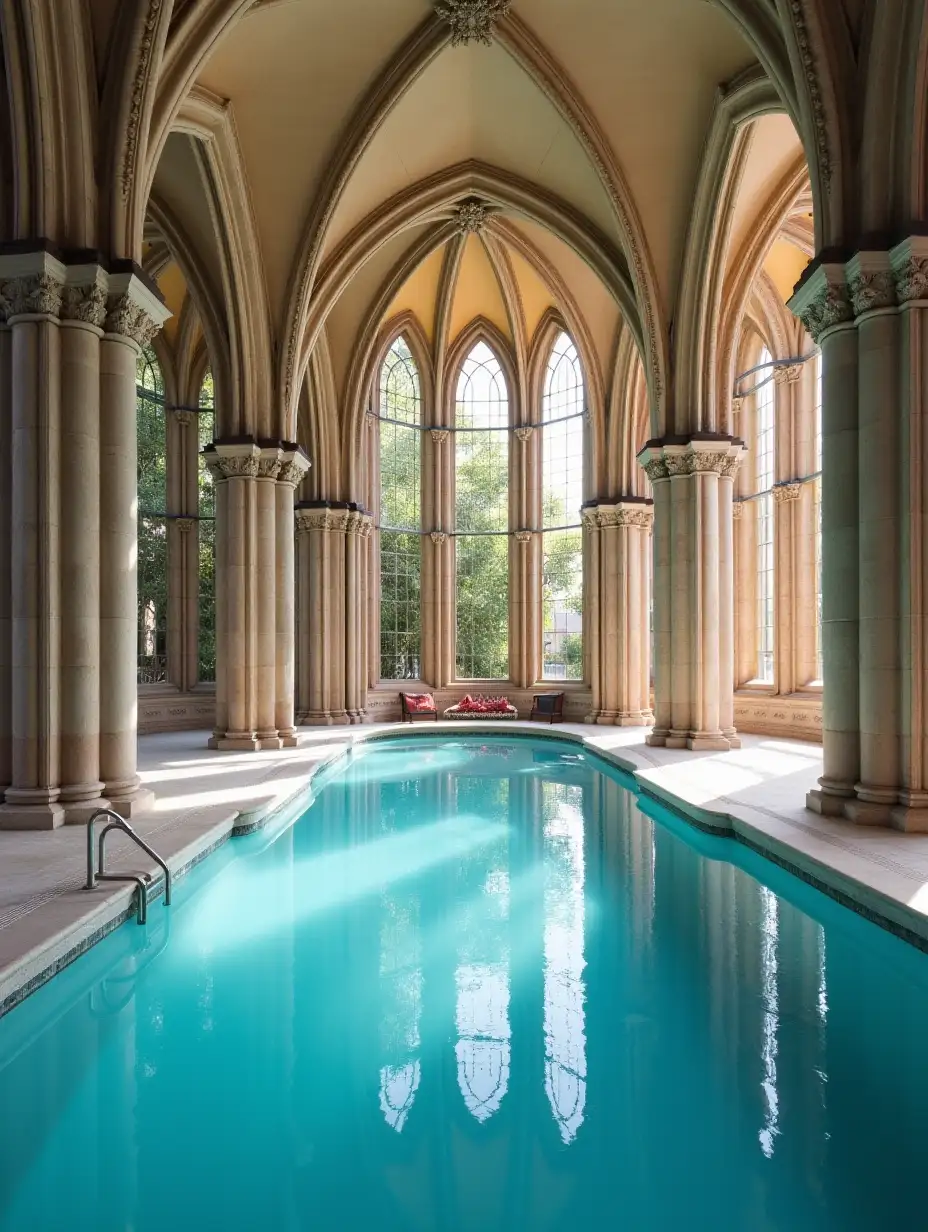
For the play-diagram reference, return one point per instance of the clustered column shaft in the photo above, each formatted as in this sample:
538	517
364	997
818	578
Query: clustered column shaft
694	589
869	317
255	481
69	340
332	539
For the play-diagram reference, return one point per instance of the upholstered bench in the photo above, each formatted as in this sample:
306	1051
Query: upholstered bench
482	708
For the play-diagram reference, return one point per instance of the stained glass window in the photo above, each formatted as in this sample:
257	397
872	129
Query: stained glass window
152	521
764	451
206	634
563	412
400	519
482	517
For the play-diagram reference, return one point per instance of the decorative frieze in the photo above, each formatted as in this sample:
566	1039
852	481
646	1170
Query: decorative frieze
472	21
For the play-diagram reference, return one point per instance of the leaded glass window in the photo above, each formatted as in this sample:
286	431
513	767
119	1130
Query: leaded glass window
152	521
482	518
206	510
764	450
400	397
563	415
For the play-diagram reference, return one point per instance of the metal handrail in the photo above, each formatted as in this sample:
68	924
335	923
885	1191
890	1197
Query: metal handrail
95	872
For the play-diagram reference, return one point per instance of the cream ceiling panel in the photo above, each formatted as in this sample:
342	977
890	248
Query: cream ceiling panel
649	70
473	102
477	292
775	146
294	73
420	292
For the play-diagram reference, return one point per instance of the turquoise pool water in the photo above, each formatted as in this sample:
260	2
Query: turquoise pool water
475	987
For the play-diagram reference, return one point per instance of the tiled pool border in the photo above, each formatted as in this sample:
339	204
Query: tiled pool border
283	812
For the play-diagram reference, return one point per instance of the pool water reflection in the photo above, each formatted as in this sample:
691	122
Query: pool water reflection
477	985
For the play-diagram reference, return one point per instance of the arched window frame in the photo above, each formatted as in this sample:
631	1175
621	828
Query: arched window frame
563	433
400	544
153	504
482	331
765	461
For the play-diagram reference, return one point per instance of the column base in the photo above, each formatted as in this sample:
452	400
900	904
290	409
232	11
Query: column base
734	740
31	816
130	805
288	738
825	804
677	739
269	740
80	800
911	820
81	811
658	738
234	742
708	742
325	718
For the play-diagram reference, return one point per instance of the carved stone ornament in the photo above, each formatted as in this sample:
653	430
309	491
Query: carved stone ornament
472	21
471	217
912	280
875	289
35	295
143	63
86	304
523	434
322	519
816	101
787	374
786	493
832	307
242	466
730	465
438	537
184	525
439	435
737	510
656	468
293	469
736	404
128	319
183	417
524	536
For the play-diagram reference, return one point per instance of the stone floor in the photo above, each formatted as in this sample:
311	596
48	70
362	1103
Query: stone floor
756	792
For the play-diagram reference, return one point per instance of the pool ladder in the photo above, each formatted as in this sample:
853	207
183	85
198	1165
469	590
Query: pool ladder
95	871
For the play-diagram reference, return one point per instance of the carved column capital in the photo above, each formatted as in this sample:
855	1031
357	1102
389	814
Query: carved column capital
909	263
438	435
524	536
294	465
438	537
330	518
823	301
523	434
85	303
786	493
32	295
871	282
787	374
183	416
359	523
269	462
185	525
233	459
675	458
737	510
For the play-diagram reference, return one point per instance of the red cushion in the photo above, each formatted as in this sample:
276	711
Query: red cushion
420	702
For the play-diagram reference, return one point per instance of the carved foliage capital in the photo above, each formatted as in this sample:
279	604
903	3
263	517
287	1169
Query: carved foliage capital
184	417
184	525
33	295
656	469
523	434
322	519
86	304
872	289
129	320
786	493
787	374
912	280
832	306
439	435
293	467
438	537
737	510
523	536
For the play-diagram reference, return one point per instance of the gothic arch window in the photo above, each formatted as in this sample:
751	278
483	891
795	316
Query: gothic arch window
206	560
563	418
764	446
481	466
400	423
152	520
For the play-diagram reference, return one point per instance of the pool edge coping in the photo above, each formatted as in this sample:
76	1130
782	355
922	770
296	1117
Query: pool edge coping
27	973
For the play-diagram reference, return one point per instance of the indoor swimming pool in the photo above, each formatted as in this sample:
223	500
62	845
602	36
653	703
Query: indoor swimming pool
480	984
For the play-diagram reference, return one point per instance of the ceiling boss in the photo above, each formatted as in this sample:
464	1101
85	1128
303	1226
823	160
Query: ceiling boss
472	21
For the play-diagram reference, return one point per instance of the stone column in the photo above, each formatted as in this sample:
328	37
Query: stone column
592	608
786	506
134	316
699	564
6	497
823	304
234	465
83	315
32	302
357	533
526	549
265	591
294	466
619	533
323	526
